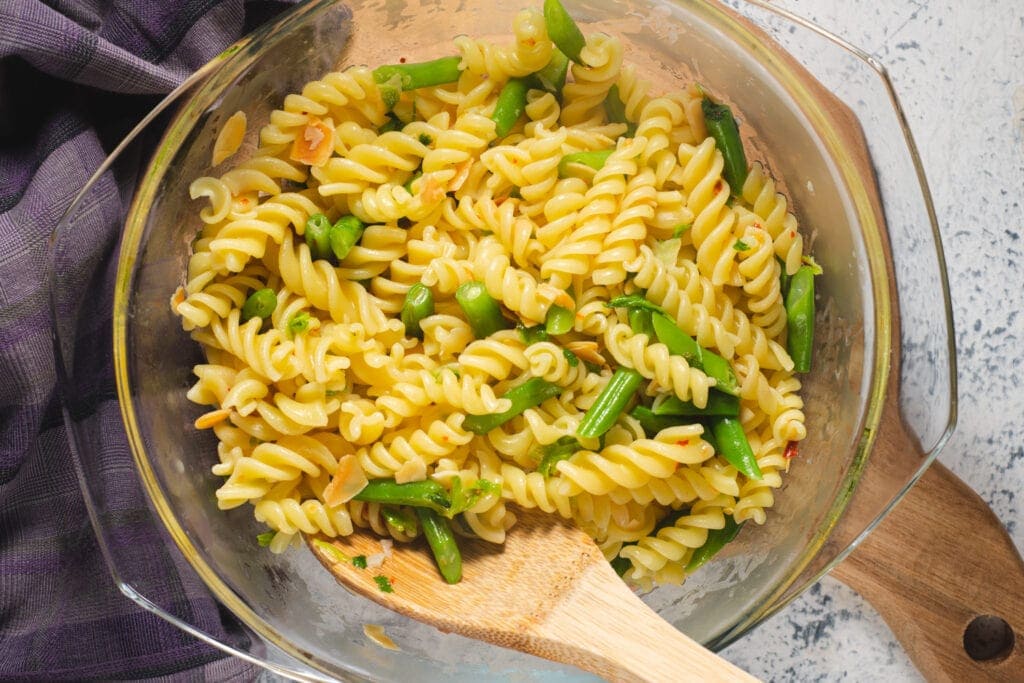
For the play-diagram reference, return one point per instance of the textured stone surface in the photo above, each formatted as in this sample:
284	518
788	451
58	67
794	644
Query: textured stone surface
957	68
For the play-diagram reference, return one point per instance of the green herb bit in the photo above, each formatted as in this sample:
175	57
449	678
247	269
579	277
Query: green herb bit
299	323
260	304
562	30
425	139
532	335
412	179
722	127
265	538
610	403
717	539
571	358
559	320
332	553
569	166
418	304
359	561
741	246
681	229
482	311
383	584
390	123
529	394
554	453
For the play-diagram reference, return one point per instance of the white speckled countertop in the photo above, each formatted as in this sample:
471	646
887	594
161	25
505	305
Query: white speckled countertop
958	68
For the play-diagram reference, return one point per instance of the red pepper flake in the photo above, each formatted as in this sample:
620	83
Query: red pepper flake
792	233
718	186
401	60
792	450
683	442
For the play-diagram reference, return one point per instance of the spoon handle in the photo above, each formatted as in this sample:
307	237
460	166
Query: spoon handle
602	627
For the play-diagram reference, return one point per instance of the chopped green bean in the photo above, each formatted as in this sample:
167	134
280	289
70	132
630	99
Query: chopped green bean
800	318
717	539
482	311
420	74
418	304
317	236
427	493
640	322
529	394
571	358
678	342
412	179
610	403
722	127
399	519
562	30
344	235
464	498
532	335
721	371
718	404
632	301
559	320
734	447
259	304
510	105
390	123
652	424
552	77
442	543
615	110
569	166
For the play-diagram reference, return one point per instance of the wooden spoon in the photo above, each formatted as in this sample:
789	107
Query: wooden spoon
548	591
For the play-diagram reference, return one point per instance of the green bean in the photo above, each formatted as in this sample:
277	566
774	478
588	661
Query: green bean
652	424
634	301
640	322
418	304
718	404
259	304
734	447
722	127
399	519
610	403
420	74
717	539
569	166
562	30
427	493
317	236
800	318
344	235
552	77
529	394
559	320
442	543
510	106
784	278
678	342
615	110
532	335
482	311
721	371
554	453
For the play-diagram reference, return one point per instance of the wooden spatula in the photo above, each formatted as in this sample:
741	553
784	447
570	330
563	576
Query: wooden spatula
547	591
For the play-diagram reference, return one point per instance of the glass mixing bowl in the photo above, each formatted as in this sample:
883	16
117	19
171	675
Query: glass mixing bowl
820	113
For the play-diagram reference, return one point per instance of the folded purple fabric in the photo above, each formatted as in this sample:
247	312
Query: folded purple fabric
74	78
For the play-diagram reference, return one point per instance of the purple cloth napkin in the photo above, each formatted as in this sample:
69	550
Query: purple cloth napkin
74	77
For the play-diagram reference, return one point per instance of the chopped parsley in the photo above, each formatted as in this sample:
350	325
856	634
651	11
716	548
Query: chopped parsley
384	584
554	453
265	538
680	229
571	358
741	246
425	139
359	561
532	335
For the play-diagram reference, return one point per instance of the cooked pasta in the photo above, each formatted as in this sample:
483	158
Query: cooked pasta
323	374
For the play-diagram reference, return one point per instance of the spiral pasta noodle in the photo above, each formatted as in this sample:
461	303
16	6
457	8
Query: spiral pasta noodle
335	272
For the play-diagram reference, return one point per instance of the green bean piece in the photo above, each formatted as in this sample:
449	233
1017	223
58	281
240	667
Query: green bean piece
562	30
532	335
721	371
652	424
610	403
559	320
634	301
427	493
418	304
412	179
800	318
678	342
442	543
420	74
260	304
784	278
266	538
640	322
464	498
717	539
344	235
719	404
615	110
722	127
552	77
510	106
554	453
529	394
569	166
399	519
734	447
390	123
482	311
317	236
